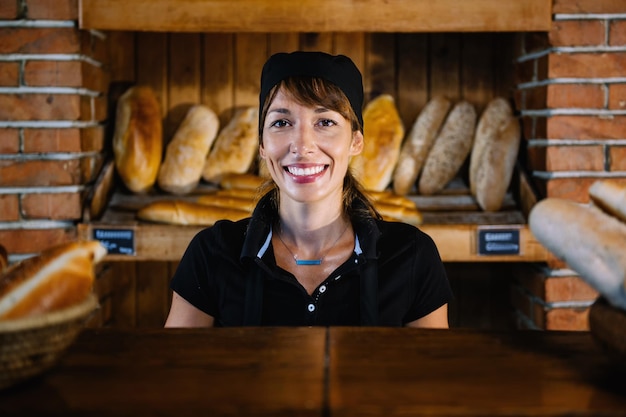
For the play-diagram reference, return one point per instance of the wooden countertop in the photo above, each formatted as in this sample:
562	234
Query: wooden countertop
324	372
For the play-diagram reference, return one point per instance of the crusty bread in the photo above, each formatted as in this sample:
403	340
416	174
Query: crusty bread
610	196
590	241
241	181
181	169
138	138
418	144
383	132
450	150
221	200
407	215
492	161
185	213
59	277
389	197
235	146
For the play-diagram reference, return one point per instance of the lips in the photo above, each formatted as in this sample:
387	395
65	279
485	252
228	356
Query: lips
305	173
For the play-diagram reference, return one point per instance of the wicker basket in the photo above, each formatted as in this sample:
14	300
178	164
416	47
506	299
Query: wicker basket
30	345
607	324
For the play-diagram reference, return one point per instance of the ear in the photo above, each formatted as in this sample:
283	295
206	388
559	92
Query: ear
262	151
356	147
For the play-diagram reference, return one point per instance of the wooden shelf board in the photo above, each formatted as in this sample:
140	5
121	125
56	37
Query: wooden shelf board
316	16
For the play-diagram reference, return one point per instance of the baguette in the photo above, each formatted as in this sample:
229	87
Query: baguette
240	181
450	150
181	169
610	196
408	215
138	139
418	144
235	146
590	241
185	213
57	278
389	197
383	133
221	200
494	153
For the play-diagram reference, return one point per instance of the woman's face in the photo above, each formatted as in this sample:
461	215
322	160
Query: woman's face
307	149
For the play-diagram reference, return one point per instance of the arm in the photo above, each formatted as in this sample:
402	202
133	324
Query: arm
438	319
183	314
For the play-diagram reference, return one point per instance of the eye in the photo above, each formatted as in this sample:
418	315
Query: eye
279	123
327	122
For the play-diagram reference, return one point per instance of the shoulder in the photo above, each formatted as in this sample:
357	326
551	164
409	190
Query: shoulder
401	233
223	234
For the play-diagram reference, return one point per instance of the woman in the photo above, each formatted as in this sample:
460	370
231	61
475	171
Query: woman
314	252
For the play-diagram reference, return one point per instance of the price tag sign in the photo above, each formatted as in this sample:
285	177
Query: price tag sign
498	242
117	241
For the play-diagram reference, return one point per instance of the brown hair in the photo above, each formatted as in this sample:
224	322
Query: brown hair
317	91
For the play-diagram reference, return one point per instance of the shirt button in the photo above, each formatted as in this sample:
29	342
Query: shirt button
356	261
311	307
323	288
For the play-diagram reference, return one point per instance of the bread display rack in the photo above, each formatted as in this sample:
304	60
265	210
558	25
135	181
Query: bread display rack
451	218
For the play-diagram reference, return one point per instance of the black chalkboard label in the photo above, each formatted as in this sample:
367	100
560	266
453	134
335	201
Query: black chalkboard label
498	242
117	241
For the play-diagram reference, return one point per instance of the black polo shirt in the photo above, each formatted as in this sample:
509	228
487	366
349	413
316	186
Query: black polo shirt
394	276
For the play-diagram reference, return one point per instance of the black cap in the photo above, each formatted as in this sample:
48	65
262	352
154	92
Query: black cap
338	69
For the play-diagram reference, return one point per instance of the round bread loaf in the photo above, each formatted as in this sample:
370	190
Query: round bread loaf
610	196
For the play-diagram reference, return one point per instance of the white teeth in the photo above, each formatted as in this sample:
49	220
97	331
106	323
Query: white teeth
305	171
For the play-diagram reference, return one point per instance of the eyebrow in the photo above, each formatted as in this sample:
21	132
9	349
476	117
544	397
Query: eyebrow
282	110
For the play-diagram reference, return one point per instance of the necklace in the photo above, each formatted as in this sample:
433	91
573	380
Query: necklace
309	262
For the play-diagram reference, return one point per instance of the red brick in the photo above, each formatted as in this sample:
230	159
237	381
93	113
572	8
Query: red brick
53	9
39	107
95	47
586	127
617	33
53	73
52	140
9	141
39	40
9	208
598	65
41	173
536	98
575	96
94	78
567	319
62	206
577	33
9	74
575	189
570	288
617	96
575	158
587	6
617	158
26	241
9	9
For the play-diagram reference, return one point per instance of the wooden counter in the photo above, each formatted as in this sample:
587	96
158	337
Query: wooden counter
324	372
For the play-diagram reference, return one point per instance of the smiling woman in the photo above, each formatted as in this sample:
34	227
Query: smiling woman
314	251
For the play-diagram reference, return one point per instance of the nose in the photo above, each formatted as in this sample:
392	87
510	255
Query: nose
303	140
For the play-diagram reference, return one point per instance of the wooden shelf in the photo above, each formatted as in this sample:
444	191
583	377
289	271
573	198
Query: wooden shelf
316	16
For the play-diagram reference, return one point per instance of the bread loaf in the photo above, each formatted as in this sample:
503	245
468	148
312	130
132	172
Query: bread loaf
610	196
494	153
418	144
590	241
138	138
407	215
185	213
389	197
181	169
57	278
235	146
241	181
450	150
383	133
221	200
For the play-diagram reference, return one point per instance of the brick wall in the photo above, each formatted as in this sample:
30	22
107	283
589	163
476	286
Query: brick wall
571	93
52	108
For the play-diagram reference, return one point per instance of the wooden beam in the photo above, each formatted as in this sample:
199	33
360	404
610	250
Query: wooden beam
317	15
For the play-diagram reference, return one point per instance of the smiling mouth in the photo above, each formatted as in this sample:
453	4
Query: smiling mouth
305	172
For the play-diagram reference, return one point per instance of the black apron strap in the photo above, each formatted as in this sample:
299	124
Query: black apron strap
253	310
